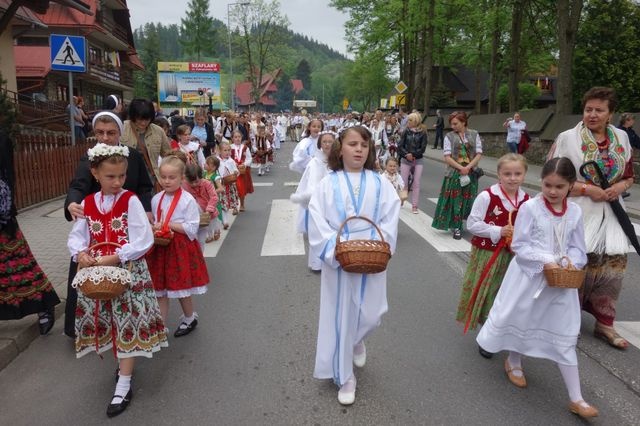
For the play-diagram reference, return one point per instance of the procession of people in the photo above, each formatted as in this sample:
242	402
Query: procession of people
151	197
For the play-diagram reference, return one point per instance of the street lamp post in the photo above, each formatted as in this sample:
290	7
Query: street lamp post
210	95
232	87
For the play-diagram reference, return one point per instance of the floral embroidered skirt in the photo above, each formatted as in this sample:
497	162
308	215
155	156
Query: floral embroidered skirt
24	287
489	288
178	270
454	203
131	322
229	198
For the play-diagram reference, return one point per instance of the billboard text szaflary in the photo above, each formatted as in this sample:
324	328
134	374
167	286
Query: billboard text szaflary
185	84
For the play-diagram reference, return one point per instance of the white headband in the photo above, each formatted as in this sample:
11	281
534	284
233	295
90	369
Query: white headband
109	114
115	98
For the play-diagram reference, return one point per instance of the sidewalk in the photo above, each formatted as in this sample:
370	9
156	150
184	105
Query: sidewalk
532	180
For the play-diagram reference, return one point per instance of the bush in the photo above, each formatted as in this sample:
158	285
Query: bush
528	93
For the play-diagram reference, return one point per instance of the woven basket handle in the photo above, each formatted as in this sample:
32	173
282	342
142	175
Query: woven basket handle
108	243
366	219
569	264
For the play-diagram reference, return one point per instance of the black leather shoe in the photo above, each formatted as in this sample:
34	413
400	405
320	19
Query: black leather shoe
457	234
625	194
49	320
115	409
485	354
183	331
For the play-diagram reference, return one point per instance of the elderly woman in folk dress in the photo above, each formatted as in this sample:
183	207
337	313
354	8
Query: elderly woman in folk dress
462	152
595	139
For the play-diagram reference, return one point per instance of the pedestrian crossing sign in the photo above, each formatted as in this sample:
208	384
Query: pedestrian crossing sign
67	53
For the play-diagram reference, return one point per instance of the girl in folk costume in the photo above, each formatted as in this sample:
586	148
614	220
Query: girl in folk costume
351	304
392	175
205	194
306	148
177	269
241	154
491	223
228	171
227	127
380	141
528	316
392	131
212	174
191	148
316	170
130	324
263	156
462	153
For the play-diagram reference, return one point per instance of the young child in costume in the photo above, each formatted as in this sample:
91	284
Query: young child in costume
316	170
131	324
230	200
205	194
491	223
351	304
306	148
391	173
211	173
178	270
529	317
190	147
241	155
263	155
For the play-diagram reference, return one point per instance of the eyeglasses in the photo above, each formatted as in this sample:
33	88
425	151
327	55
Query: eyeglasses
101	133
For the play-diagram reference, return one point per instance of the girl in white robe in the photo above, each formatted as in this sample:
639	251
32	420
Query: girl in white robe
313	174
307	147
351	304
529	317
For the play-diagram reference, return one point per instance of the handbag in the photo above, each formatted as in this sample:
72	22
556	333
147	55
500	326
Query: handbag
164	235
403	194
477	172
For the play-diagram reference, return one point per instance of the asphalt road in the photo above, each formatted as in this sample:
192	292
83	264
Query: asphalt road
250	361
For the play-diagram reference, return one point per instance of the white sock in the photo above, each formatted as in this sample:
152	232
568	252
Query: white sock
571	377
515	361
122	388
188	320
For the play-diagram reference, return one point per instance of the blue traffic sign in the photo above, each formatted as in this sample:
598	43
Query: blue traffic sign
67	53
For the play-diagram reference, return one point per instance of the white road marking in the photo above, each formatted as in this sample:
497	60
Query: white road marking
262	183
630	330
291	183
281	238
440	240
211	249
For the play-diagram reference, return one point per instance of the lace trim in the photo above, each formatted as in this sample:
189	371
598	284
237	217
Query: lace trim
96	274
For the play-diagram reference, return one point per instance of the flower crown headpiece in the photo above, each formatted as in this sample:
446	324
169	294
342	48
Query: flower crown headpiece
102	150
328	132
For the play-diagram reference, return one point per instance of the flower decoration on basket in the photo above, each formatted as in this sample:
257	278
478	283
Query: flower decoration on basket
102	150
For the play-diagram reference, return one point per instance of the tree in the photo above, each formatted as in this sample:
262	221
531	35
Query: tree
568	18
261	34
303	72
146	81
197	33
284	95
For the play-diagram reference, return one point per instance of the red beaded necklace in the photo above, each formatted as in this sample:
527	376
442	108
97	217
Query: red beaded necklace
553	212
515	205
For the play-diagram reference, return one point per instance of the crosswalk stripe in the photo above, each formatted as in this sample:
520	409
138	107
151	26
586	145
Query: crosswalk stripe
441	240
281	238
630	330
291	183
211	249
262	183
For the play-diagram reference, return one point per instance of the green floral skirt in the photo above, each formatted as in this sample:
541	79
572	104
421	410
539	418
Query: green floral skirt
454	203
488	291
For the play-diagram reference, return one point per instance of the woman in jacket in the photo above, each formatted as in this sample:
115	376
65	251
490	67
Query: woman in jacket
410	150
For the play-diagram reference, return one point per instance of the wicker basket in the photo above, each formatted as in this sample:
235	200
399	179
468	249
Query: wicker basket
205	219
160	239
362	256
102	282
567	277
229	179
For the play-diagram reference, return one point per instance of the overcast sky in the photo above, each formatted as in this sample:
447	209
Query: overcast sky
313	18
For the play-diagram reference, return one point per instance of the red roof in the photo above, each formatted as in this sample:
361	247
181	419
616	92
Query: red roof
32	61
267	88
61	16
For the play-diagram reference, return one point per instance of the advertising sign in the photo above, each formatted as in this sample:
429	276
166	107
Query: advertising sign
186	84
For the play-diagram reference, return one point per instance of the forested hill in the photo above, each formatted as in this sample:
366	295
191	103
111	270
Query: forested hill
316	64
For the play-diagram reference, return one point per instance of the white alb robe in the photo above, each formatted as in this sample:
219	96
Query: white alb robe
351	305
303	153
545	326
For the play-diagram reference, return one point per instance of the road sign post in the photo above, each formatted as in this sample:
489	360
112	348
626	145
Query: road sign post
68	53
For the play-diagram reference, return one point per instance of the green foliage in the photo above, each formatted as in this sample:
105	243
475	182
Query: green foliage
607	51
367	82
7	111
146	81
197	31
528	95
285	93
303	72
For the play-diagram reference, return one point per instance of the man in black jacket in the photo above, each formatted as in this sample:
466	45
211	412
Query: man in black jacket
83	184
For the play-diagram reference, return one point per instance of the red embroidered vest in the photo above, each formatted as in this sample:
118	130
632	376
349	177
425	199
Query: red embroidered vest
243	151
112	226
261	143
496	215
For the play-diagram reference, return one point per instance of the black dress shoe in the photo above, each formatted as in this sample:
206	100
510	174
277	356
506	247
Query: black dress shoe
188	328
46	321
115	409
457	234
625	194
485	354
